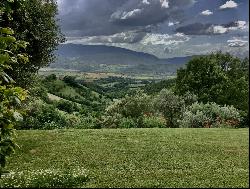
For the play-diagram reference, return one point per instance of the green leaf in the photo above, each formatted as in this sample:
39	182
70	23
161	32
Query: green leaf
7	31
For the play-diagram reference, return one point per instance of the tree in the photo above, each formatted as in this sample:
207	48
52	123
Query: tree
170	105
132	107
11	95
217	77
33	21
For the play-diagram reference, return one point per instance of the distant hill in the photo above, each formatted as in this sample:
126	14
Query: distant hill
101	54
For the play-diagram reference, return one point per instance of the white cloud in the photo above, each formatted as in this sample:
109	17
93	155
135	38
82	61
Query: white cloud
124	37
218	29
164	39
173	23
236	42
239	25
206	12
130	14
145	2
228	5
164	4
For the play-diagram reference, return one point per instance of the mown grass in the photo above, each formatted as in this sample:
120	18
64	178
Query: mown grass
140	157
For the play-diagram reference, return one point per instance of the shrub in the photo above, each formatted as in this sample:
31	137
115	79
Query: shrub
40	115
127	123
67	106
87	122
200	115
154	122
127	112
108	121
131	106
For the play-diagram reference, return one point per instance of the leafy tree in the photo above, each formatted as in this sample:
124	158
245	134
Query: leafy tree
217	77
67	106
153	88
132	107
11	95
51	77
71	80
170	105
33	21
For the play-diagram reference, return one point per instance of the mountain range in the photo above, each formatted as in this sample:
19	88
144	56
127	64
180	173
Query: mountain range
109	55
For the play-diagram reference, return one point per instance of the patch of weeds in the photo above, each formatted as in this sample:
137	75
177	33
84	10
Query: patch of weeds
45	178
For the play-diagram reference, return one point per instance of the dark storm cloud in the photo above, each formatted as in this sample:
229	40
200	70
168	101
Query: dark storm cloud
107	17
137	13
88	17
194	29
123	37
211	29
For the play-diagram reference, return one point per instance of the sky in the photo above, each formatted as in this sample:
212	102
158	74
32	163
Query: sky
164	28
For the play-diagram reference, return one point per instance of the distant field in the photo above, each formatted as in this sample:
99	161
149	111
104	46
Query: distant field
90	76
140	157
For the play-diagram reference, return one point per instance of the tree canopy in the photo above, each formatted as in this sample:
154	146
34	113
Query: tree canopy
217	77
11	95
33	21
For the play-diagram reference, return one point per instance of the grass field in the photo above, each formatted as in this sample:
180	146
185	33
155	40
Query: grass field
140	157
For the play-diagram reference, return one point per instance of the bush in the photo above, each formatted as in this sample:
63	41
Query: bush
40	115
127	123
87	122
154	122
67	106
108	121
131	106
200	115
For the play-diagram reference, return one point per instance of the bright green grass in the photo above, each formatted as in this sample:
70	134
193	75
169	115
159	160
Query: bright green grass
140	157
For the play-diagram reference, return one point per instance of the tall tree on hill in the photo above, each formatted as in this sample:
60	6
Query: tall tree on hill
217	77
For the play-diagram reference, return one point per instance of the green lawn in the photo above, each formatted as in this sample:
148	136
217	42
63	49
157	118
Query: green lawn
140	157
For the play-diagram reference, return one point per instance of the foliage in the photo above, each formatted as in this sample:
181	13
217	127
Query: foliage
131	107
156	87
81	121
127	123
51	77
67	106
115	87
219	78
11	96
45	178
154	122
111	121
208	115
33	21
69	89
170	105
40	115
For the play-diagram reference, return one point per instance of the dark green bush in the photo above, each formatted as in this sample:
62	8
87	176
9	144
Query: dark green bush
154	122
67	106
42	116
